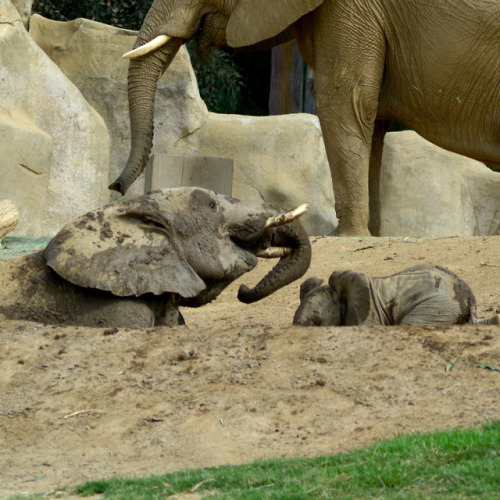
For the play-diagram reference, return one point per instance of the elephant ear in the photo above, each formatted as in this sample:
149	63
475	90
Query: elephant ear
253	21
309	285
127	249
354	291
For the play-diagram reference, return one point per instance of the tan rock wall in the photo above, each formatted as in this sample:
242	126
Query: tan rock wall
35	91
281	159
427	191
26	157
90	55
24	9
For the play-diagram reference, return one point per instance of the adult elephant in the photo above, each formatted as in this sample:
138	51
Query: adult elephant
135	262
432	66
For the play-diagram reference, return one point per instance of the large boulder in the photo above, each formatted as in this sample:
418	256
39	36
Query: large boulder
24	9
25	162
428	191
281	159
90	55
41	107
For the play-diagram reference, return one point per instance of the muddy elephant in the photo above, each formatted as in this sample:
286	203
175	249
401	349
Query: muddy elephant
133	263
421	295
432	66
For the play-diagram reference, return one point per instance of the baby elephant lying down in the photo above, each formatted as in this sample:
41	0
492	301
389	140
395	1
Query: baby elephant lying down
421	295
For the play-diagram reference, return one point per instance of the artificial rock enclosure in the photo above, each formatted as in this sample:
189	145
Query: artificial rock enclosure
238	383
67	137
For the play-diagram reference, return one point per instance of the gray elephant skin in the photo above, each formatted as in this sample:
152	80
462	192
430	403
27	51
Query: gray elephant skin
432	66
421	295
133	263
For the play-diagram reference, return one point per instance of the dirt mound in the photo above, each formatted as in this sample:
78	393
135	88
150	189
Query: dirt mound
239	383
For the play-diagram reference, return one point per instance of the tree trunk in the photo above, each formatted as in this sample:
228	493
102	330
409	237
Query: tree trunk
287	76
310	93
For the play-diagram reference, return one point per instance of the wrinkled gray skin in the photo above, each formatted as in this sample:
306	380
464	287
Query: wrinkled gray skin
433	66
421	295
132	264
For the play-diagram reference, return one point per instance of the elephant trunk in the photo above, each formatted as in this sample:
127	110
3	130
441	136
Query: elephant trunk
143	75
289	268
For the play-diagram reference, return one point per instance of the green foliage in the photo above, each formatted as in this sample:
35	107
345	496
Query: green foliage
452	464
219	80
122	13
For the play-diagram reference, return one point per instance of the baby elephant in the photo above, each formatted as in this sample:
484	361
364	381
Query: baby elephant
421	295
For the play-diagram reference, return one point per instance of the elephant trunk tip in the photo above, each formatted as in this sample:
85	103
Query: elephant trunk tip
246	295
118	186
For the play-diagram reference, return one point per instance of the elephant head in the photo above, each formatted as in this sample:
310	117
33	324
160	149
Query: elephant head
319	305
187	242
170	23
345	301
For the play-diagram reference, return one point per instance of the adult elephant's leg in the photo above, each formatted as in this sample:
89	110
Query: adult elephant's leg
381	128
349	60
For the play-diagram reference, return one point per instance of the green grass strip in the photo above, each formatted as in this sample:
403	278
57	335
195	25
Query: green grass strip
357	250
454	464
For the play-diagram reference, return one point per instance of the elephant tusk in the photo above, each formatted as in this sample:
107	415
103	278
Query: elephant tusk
274	252
154	44
279	220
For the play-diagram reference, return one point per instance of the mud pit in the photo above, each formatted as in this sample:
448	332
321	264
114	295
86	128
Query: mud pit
239	383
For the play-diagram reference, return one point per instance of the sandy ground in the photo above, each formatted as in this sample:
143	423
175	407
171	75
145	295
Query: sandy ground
239	383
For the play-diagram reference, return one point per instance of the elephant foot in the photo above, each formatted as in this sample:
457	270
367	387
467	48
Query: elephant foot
352	223
351	231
